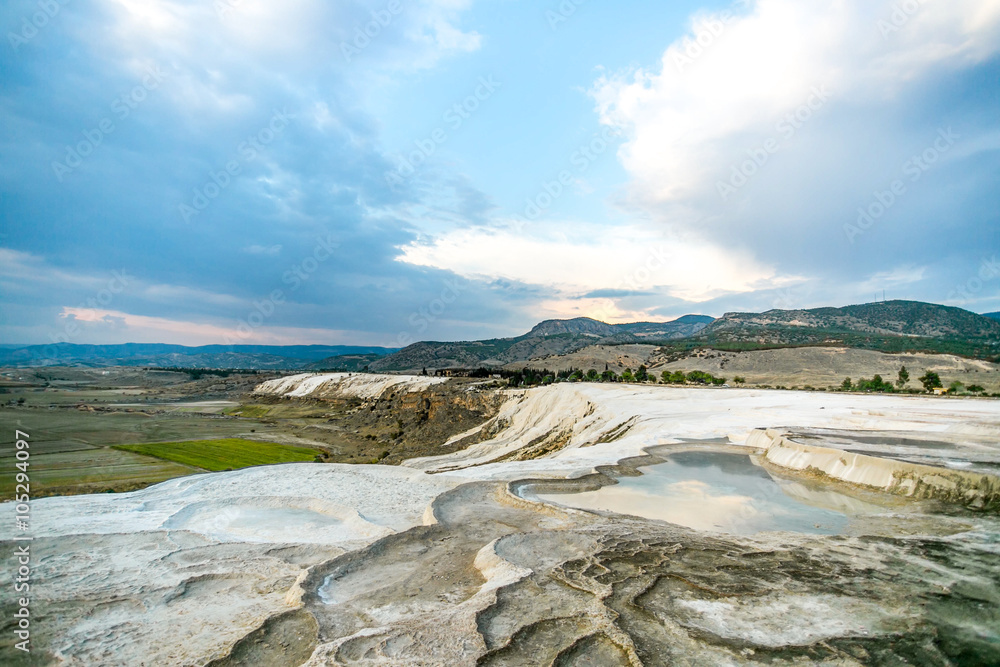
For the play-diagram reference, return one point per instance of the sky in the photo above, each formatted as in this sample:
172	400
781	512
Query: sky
378	173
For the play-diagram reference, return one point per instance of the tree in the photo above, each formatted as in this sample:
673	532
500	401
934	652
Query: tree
699	377
608	376
665	377
875	384
975	389
627	375
678	377
592	375
903	377
642	374
846	385
739	379
930	380
955	387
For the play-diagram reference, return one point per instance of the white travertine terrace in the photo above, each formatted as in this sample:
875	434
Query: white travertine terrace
209	557
344	385
603	424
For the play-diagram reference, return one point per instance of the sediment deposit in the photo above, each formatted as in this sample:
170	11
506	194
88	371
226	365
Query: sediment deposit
447	560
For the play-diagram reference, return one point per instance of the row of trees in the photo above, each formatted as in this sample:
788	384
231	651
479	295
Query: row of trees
528	377
930	381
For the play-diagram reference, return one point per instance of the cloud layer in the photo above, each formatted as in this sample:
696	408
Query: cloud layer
223	165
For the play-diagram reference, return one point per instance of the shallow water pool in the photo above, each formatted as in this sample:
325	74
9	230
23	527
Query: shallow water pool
719	491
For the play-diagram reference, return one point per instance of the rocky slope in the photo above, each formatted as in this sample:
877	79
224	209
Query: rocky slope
376	418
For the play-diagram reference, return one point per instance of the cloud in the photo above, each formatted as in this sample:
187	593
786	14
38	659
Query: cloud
767	129
583	261
708	102
95	325
224	68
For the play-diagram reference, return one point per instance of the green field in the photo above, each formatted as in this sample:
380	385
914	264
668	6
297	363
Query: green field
224	454
89	470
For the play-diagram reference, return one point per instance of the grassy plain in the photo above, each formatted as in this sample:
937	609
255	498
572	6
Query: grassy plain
224	454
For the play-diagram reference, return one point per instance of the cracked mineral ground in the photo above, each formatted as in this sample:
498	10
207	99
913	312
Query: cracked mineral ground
574	524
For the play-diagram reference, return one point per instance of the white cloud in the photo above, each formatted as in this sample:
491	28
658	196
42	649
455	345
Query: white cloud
96	325
692	117
578	258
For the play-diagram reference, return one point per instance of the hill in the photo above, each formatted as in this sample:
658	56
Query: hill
579	325
905	318
548	338
890	327
993	316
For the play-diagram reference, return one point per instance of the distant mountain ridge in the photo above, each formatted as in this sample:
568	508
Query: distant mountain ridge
904	318
682	326
551	337
250	357
891	326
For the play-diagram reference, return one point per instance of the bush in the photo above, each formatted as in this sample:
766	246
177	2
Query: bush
700	377
875	384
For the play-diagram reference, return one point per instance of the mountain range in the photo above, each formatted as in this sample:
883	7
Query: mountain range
890	326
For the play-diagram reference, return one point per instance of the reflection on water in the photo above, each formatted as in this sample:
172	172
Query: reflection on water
719	491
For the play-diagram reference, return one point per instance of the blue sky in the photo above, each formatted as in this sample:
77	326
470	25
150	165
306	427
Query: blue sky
261	172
